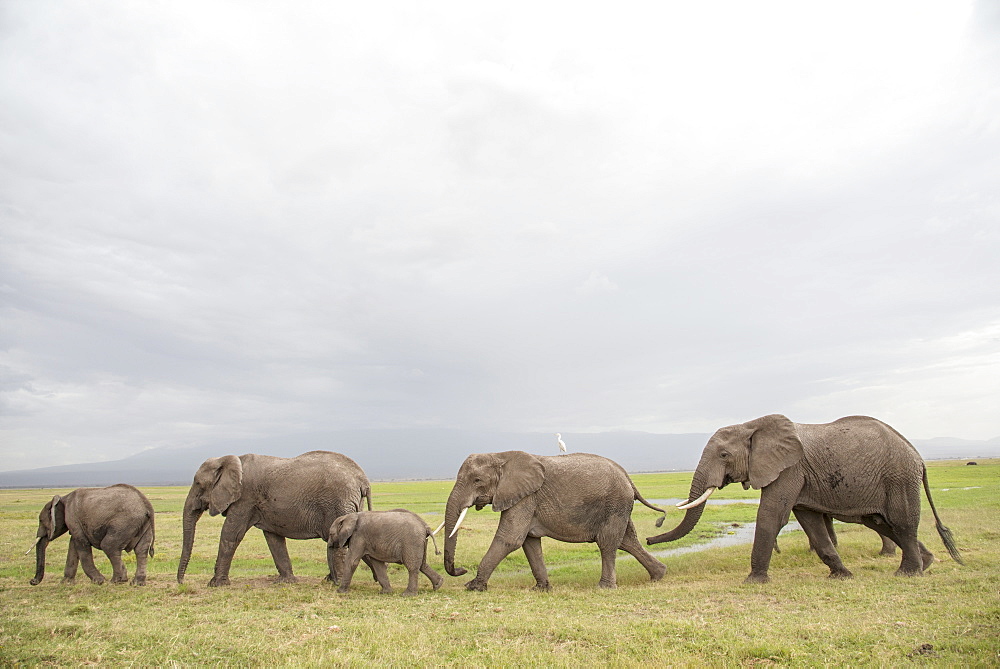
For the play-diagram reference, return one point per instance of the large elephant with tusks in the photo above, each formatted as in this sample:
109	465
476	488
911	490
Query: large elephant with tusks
575	498
855	469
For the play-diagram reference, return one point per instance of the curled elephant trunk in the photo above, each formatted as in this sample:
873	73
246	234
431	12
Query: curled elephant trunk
40	547
192	512
453	515
692	515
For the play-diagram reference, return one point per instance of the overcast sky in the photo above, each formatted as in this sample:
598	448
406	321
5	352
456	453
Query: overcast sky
231	219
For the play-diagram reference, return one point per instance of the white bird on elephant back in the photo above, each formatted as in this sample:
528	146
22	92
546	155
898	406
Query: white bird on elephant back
559	442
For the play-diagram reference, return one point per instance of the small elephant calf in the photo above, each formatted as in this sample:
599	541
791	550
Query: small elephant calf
115	519
398	536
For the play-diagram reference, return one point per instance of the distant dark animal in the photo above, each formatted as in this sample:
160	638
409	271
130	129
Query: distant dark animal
971	463
115	519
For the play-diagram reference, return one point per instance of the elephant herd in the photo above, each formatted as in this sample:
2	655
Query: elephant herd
856	469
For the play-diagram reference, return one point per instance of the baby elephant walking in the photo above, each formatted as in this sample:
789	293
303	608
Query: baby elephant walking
115	519
398	536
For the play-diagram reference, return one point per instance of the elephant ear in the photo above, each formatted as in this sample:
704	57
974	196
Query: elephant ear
228	484
343	529
56	517
774	447
520	475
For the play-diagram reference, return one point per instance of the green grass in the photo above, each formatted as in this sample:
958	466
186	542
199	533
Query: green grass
701	613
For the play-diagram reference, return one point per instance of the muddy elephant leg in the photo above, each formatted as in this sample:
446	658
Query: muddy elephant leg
532	547
774	509
631	545
119	573
72	562
279	553
232	534
821	540
85	551
511	533
435	578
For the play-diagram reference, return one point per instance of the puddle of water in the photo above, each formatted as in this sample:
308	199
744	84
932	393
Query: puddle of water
735	536
712	501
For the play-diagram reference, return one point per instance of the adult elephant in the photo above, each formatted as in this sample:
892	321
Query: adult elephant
293	498
575	498
856	469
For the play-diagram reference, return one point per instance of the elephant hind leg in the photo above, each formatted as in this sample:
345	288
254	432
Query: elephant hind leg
912	563
631	545
436	579
820	536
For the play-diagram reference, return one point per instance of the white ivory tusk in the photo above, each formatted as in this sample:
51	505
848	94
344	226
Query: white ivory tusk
461	517
438	529
705	495
33	546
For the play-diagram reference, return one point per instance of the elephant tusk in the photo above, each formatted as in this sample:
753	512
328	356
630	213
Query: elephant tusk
705	495
33	546
438	529
461	517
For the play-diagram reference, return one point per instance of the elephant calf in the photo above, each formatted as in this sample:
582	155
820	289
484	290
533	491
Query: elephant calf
115	519
398	536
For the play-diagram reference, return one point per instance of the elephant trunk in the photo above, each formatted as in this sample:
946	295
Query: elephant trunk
40	547
691	516
192	512
457	503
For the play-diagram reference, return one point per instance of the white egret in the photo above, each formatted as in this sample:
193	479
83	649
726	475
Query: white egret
562	446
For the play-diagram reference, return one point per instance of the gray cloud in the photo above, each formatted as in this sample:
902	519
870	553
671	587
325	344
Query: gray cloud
226	221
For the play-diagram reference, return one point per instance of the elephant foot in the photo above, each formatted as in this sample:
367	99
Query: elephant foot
476	585
908	572
331	578
542	587
607	585
342	590
35	581
386	591
138	581
218	581
438	583
118	581
409	593
98	581
657	574
757	578
842	574
286	579
67	581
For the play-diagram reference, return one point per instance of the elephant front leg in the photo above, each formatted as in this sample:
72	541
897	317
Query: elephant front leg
511	534
821	540
533	551
72	562
350	565
775	507
279	553
229	541
85	551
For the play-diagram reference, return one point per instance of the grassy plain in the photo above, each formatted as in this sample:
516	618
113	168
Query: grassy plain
701	613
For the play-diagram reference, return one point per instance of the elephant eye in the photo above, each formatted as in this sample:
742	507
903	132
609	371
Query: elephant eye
724	455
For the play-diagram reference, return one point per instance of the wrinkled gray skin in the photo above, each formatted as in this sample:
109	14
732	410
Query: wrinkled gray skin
575	498
115	519
293	498
397	536
856	469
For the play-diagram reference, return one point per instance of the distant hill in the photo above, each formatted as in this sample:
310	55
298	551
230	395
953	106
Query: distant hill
417	454
383	454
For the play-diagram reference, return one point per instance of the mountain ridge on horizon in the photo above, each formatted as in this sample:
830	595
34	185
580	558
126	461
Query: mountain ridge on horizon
431	454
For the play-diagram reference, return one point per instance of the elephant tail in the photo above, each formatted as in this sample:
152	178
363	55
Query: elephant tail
638	496
944	532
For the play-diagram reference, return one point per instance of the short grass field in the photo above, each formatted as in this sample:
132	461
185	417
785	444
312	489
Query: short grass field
701	613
